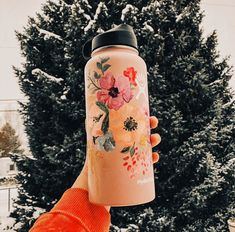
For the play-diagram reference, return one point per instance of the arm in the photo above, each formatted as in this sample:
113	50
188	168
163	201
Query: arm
74	212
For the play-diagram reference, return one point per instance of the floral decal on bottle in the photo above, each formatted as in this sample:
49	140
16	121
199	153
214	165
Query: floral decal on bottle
136	160
131	74
138	163
112	93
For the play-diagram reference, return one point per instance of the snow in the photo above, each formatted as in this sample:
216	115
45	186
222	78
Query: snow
62	1
80	11
87	3
63	97
35	48
86	16
148	27
101	8
155	5
65	92
37	212
182	15
227	104
215	82
127	8
231	162
179	17
89	25
100	30
5	220
38	71
47	34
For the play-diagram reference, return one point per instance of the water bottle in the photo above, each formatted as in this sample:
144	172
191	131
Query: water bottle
120	167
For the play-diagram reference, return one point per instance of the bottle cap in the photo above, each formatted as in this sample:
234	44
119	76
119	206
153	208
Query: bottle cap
122	34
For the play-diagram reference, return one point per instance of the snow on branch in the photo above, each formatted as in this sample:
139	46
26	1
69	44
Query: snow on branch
184	14
47	34
38	71
148	27
228	104
215	82
152	6
89	25
61	1
87	3
128	8
76	9
101	8
179	17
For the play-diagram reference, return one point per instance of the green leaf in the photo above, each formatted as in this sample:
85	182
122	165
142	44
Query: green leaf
132	150
96	75
105	124
104	59
125	149
99	65
105	67
102	106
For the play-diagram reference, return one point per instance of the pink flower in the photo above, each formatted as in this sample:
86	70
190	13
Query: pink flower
115	91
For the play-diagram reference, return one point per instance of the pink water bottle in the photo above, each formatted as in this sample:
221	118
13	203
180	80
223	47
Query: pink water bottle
120	169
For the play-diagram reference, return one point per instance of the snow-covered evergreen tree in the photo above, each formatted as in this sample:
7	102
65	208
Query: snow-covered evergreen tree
189	93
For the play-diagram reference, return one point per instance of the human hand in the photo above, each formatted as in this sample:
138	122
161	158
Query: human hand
82	179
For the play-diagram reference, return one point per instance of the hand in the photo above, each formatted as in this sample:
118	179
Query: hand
82	179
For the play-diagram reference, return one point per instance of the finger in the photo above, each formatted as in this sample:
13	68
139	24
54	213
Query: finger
153	122
155	139
155	157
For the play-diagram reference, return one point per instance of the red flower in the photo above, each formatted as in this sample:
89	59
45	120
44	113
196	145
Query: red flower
131	74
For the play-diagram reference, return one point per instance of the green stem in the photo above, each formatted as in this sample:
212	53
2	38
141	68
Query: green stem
94	83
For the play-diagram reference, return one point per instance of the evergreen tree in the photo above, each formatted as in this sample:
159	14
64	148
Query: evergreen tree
9	141
189	94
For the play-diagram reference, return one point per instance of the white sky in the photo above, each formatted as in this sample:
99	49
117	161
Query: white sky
220	15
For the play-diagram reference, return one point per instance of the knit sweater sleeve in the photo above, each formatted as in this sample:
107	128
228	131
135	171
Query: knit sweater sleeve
74	213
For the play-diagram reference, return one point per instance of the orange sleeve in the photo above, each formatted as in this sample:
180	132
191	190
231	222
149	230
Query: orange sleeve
74	213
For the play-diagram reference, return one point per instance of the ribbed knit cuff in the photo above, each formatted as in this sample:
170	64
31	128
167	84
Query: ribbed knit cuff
75	203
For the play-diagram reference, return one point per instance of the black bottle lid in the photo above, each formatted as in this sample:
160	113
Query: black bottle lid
122	34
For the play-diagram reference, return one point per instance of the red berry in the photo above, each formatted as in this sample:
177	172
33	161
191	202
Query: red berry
128	167
126	158
134	162
125	163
